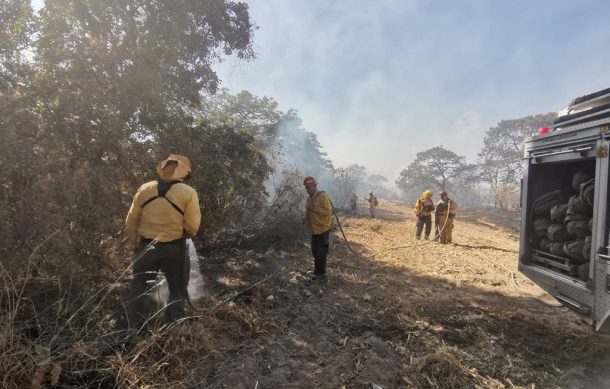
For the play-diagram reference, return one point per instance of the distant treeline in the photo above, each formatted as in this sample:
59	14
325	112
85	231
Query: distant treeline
498	167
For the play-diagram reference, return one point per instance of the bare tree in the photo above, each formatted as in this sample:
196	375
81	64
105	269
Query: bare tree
500	158
346	181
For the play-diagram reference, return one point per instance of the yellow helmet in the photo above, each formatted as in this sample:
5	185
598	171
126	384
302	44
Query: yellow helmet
427	194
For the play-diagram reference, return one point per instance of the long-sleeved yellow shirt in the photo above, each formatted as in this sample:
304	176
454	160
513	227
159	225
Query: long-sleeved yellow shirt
318	212
424	207
158	219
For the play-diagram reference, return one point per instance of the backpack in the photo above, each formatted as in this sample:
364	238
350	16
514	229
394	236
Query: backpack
162	188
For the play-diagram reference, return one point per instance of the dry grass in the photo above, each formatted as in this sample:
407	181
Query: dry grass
50	334
398	320
444	369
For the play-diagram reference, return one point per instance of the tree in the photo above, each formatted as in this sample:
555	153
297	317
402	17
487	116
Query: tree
346	181
435	167
500	158
301	150
465	187
111	90
259	116
15	37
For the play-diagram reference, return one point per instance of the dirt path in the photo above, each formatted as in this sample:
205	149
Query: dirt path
435	315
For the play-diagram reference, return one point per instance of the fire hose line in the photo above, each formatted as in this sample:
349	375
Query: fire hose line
341	228
437	235
275	272
235	295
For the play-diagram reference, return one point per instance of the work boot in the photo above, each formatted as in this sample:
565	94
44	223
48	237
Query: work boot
427	238
318	276
418	237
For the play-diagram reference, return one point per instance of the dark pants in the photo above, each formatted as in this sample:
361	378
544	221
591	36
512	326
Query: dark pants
319	250
172	259
421	221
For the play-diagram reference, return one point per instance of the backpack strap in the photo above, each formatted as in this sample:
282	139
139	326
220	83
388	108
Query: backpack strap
162	188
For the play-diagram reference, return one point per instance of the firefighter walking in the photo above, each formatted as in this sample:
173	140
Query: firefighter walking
423	210
444	217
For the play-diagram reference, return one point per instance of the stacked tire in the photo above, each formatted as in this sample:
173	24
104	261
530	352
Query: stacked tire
563	226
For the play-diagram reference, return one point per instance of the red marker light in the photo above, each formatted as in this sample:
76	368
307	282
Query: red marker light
544	130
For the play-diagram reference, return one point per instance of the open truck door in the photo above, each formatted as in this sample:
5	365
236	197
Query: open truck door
567	168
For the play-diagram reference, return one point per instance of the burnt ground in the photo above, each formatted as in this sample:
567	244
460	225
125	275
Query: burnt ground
396	316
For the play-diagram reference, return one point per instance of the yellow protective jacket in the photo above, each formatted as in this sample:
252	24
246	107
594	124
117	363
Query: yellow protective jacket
158	219
318	212
424	207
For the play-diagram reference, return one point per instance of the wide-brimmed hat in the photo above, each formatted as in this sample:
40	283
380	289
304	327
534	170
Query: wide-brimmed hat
175	167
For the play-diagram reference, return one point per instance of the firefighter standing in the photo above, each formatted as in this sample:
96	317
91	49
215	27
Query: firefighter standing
444	217
318	212
423	210
163	213
354	202
373	203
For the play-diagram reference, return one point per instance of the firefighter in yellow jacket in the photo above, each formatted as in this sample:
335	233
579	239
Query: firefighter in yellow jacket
162	215
318	213
444	217
373	203
423	210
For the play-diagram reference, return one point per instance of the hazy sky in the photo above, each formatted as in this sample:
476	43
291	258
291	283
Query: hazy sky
378	81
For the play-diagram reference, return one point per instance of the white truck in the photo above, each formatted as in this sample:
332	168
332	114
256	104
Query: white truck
565	217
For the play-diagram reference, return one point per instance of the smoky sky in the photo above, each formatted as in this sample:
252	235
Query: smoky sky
378	81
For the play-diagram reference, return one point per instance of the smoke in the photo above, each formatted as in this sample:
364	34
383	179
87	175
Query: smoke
195	286
299	150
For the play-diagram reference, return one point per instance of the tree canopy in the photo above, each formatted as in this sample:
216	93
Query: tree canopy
436	167
500	158
93	93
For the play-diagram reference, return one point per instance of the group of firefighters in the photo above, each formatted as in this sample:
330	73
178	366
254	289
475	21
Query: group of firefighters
372	200
444	215
165	212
